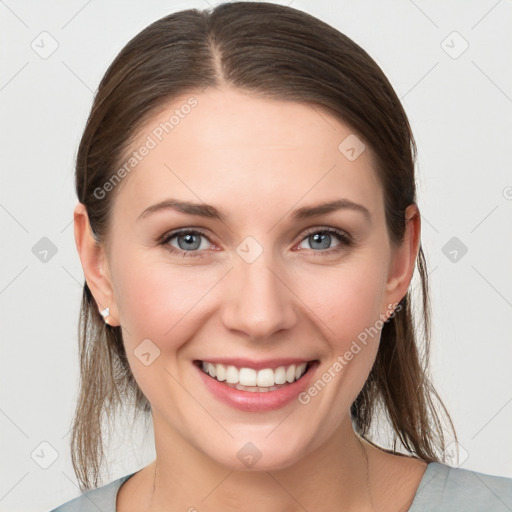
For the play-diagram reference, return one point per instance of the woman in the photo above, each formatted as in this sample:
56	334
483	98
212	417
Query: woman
248	229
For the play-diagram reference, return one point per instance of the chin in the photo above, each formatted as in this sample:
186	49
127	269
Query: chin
260	453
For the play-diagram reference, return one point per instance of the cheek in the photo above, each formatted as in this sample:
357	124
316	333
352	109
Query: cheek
160	303
155	300
347	305
345	300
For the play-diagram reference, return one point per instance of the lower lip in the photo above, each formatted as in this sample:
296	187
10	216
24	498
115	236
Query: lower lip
254	401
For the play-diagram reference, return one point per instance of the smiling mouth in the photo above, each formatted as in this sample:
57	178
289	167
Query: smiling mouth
252	380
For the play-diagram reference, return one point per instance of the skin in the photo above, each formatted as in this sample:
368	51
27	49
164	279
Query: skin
257	160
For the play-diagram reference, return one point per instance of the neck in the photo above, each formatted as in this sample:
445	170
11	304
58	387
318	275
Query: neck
333	476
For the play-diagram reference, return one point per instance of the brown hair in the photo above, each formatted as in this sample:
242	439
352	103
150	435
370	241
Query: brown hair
285	54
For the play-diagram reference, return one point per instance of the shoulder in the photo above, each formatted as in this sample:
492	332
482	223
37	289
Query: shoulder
103	498
444	488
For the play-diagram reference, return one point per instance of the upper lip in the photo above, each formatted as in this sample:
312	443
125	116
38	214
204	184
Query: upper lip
257	365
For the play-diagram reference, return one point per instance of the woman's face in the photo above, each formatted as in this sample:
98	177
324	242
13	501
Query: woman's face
261	287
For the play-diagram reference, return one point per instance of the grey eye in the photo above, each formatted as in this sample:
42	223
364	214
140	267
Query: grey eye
319	240
188	241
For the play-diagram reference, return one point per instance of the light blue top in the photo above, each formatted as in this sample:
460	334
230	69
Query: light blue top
442	489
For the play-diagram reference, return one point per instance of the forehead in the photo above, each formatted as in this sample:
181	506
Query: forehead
228	147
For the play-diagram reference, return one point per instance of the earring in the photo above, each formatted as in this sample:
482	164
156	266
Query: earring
105	313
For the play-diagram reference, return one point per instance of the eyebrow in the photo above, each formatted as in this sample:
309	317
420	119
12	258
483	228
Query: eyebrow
211	212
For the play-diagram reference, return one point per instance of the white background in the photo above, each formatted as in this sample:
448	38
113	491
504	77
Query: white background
460	111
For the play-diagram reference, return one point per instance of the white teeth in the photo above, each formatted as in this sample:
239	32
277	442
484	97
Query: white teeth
255	380
212	370
247	376
265	378
280	375
221	373
231	375
300	370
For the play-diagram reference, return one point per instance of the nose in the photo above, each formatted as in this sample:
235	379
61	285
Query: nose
258	301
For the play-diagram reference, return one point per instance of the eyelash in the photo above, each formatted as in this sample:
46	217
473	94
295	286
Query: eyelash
343	237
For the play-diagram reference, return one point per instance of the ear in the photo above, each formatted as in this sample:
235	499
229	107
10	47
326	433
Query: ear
403	259
94	264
